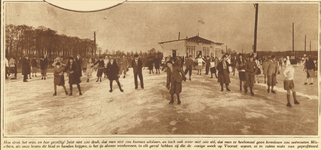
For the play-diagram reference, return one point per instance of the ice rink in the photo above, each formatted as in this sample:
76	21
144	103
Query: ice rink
30	108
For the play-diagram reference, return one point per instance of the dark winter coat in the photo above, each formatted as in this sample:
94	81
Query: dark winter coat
74	78
150	64
43	63
220	67
34	63
25	66
157	63
113	71
59	79
137	67
79	63
310	64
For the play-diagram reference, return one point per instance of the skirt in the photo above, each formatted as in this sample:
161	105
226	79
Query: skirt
242	76
199	67
225	77
100	72
176	87
288	84
213	70
311	73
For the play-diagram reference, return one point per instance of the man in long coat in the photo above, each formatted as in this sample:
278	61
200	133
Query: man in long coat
224	73
175	75
137	69
272	70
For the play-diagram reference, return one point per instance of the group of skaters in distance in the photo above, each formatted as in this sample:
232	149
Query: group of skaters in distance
249	68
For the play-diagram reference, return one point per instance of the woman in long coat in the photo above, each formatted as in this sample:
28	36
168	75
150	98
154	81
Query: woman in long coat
59	78
113	74
223	73
25	68
74	75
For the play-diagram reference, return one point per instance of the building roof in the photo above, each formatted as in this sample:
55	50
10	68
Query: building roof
195	39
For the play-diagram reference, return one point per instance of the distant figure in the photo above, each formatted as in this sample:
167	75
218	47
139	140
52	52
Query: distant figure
250	70
101	68
207	65
175	75
265	68
272	70
59	78
123	65
223	73
288	83
79	63
25	68
89	69
106	61
13	67
137	69
113	74
7	72
309	67
199	66
34	65
189	66
74	76
150	65
157	64
213	67
240	65
233	62
258	70
44	66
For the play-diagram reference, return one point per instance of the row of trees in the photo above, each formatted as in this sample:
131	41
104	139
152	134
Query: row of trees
26	40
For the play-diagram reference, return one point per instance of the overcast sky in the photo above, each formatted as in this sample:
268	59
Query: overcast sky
140	26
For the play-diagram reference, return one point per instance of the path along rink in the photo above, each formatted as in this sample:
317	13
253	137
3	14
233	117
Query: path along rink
30	108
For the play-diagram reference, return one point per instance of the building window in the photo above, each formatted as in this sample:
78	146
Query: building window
206	51
190	50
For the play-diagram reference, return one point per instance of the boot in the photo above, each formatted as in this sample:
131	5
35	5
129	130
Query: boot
97	79
87	80
66	92
227	87
245	89
100	79
121	90
251	91
288	98
294	97
179	101
111	87
54	94
172	99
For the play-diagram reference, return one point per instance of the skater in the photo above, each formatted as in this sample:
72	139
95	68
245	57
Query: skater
309	67
123	65
7	68
74	76
174	81
113	74
157	64
79	63
150	65
199	66
34	65
207	65
59	78
25	68
264	68
89	69
272	70
240	65
258	70
213	68
233	62
189	66
250	70
84	65
101	68
106	61
288	83
137	69
223	73
43	66
13	67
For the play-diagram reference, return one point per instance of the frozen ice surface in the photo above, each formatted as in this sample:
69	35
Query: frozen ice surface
30	108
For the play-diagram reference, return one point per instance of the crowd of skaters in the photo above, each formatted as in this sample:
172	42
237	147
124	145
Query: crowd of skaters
249	68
